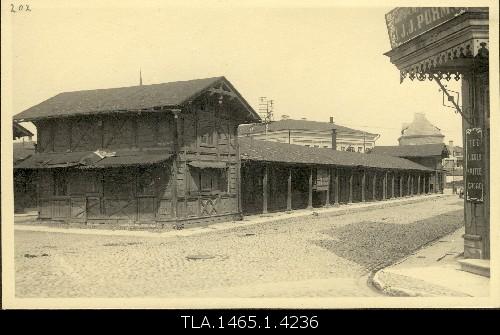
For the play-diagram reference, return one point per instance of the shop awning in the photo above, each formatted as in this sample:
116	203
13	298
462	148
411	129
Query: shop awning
91	160
208	165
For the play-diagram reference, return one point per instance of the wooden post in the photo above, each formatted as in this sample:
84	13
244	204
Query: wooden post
418	186
327	197
310	198
351	176
289	191
436	184
409	184
384	186
374	185
265	187
238	173
175	162
392	185
401	185
337	187
363	186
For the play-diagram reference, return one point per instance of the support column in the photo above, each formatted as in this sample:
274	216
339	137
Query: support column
418	186
363	186
436	183
327	197
289	191
265	189
337	187
409	185
374	185
384	186
310	198
401	185
351	176
392	185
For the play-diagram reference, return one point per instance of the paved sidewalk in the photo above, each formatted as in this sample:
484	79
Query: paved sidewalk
433	271
247	221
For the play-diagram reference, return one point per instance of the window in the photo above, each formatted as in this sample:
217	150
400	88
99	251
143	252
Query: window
206	137
342	148
60	184
360	149
208	180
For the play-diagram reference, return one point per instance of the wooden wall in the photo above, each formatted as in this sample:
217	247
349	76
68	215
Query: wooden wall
204	131
108	132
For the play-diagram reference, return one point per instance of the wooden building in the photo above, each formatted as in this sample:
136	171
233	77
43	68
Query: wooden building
280	177
18	132
24	180
428	155
153	154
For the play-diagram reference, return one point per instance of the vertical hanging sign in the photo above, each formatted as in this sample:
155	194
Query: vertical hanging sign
474	164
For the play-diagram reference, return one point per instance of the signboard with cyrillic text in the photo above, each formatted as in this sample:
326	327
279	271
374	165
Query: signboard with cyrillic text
405	23
474	164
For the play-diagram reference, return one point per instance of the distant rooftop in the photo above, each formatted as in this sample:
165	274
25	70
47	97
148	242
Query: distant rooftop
420	150
291	124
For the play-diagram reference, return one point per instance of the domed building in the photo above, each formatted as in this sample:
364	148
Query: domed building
420	131
422	143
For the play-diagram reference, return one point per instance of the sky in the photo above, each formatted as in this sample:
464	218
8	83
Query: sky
313	62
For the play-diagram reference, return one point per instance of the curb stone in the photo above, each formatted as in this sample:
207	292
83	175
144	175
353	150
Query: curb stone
377	283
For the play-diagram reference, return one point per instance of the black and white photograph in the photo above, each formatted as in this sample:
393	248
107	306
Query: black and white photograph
249	154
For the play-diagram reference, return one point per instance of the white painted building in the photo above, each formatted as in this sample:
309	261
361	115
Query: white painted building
311	134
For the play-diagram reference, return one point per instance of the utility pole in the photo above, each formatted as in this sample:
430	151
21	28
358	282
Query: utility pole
266	110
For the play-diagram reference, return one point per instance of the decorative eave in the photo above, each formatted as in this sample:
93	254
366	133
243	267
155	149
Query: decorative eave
449	50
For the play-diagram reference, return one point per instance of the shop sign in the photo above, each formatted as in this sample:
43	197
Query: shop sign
322	179
474	164
405	23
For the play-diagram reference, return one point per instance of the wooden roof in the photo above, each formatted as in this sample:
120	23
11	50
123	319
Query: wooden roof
134	98
20	131
89	160
266	151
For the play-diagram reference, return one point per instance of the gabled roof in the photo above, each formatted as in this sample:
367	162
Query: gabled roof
421	150
19	131
134	98
291	124
266	151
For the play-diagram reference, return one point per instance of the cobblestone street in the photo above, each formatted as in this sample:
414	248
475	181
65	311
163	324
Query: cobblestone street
313	256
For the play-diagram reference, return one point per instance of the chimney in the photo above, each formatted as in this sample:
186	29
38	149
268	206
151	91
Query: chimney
334	139
331	119
450	148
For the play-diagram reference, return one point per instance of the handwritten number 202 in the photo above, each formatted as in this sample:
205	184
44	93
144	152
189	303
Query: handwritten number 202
19	8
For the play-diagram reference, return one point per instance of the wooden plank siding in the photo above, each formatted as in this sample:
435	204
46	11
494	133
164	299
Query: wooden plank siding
206	131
